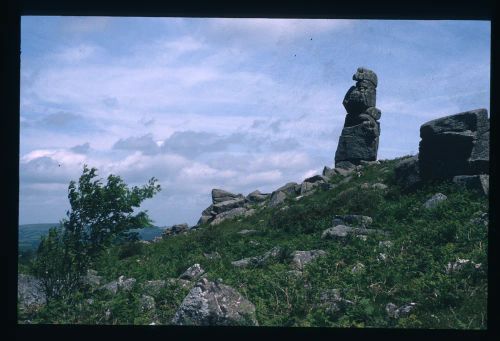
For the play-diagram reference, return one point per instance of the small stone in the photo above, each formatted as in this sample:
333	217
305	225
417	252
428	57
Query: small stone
358	268
435	200
192	273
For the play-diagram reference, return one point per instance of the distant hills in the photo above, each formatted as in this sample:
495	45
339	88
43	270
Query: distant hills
30	234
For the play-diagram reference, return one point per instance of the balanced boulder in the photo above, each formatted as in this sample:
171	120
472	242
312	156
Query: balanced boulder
360	135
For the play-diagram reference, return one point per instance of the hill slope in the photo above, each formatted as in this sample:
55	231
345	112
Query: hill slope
430	263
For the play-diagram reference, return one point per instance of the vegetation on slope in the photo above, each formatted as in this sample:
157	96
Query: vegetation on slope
413	269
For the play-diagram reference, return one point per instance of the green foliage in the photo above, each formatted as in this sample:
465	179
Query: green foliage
100	214
413	270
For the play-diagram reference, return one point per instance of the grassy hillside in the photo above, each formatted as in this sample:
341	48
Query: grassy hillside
412	270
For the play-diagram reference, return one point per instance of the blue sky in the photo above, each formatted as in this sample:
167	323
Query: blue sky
238	104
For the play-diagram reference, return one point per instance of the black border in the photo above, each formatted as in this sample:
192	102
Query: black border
357	9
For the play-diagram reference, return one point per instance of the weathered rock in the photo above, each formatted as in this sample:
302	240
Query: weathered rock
153	287
257	196
291	188
342	231
277	197
262	260
332	301
407	173
212	255
179	228
455	145
329	172
394	312
235	212
214	304
204	219
92	279
359	142
29	292
220	195
479	183
358	268
352	220
435	200
301	258
147	303
307	188
360	136
192	273
122	283
316	178
228	205
245	232
344	167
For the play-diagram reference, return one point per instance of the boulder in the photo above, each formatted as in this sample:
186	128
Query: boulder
257	196
301	258
179	228
479	183
291	188
228	205
220	195
407	173
122	283
332	301
455	145
359	142
394	312
235	212
352	220
147	303
316	178
29	292
214	304
342	231
329	172
245	232
307	187
435	200
204	219
277	197
192	273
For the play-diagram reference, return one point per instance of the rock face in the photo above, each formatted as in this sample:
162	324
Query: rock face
224	205
215	304
480	183
455	145
407	173
360	136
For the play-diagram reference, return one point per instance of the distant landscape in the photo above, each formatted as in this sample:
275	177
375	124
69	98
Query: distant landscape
30	234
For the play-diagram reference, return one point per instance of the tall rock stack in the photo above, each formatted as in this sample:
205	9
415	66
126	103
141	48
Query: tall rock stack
360	135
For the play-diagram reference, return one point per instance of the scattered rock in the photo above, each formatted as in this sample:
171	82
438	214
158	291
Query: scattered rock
435	200
122	283
352	220
379	186
214	304
385	243
455	145
382	257
147	303
479	183
332	301
245	232
192	273
213	255
342	231
407	173
92	279
394	312
301	258
460	264
262	260
358	268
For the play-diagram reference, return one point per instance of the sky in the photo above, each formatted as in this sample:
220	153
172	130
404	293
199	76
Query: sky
237	104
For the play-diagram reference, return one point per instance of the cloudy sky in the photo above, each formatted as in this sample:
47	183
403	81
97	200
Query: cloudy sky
238	104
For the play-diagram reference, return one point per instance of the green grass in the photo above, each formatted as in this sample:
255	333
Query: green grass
424	241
